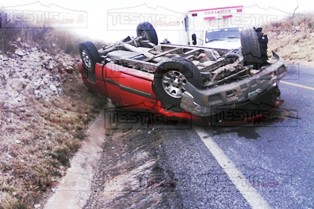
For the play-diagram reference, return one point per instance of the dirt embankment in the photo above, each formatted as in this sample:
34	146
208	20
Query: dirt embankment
293	39
44	111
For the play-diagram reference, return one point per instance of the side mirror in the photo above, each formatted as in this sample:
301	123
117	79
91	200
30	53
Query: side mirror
194	41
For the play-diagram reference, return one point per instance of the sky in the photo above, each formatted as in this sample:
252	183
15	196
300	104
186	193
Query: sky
113	20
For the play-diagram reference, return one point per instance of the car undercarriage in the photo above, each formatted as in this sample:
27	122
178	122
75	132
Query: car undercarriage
190	79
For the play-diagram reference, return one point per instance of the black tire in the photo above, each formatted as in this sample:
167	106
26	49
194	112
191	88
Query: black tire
180	69
250	47
89	56
148	31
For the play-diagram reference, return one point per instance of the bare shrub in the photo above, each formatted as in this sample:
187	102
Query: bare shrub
48	38
292	38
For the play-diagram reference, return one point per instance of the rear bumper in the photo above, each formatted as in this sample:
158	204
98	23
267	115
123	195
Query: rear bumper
204	102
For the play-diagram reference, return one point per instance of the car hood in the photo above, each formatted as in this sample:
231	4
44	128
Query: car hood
224	44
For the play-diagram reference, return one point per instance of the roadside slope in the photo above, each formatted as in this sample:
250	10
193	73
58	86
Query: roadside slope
43	117
293	38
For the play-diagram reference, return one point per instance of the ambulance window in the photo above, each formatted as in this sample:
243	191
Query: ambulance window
225	33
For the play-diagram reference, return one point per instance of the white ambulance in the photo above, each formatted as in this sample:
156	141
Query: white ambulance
214	27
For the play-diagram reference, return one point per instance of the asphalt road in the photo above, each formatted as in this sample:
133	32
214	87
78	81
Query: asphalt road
269	164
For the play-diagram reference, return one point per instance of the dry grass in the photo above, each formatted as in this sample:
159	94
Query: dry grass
45	145
293	38
39	137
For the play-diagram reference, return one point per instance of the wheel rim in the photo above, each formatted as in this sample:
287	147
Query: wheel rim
144	34
86	59
173	83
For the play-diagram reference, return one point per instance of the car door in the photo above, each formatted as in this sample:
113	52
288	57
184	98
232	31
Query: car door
129	88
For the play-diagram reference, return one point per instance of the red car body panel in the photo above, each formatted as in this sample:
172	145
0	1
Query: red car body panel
133	90
130	89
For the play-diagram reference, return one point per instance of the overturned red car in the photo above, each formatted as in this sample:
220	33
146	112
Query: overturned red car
139	74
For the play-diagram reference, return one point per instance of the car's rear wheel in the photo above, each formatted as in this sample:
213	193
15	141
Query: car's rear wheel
250	47
89	56
170	79
148	32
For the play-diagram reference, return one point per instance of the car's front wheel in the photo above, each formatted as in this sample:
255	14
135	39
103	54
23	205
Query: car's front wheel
170	79
250	47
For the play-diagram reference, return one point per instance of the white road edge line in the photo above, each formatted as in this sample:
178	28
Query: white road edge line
254	199
297	85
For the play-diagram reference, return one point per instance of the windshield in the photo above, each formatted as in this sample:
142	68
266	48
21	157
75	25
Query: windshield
222	34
